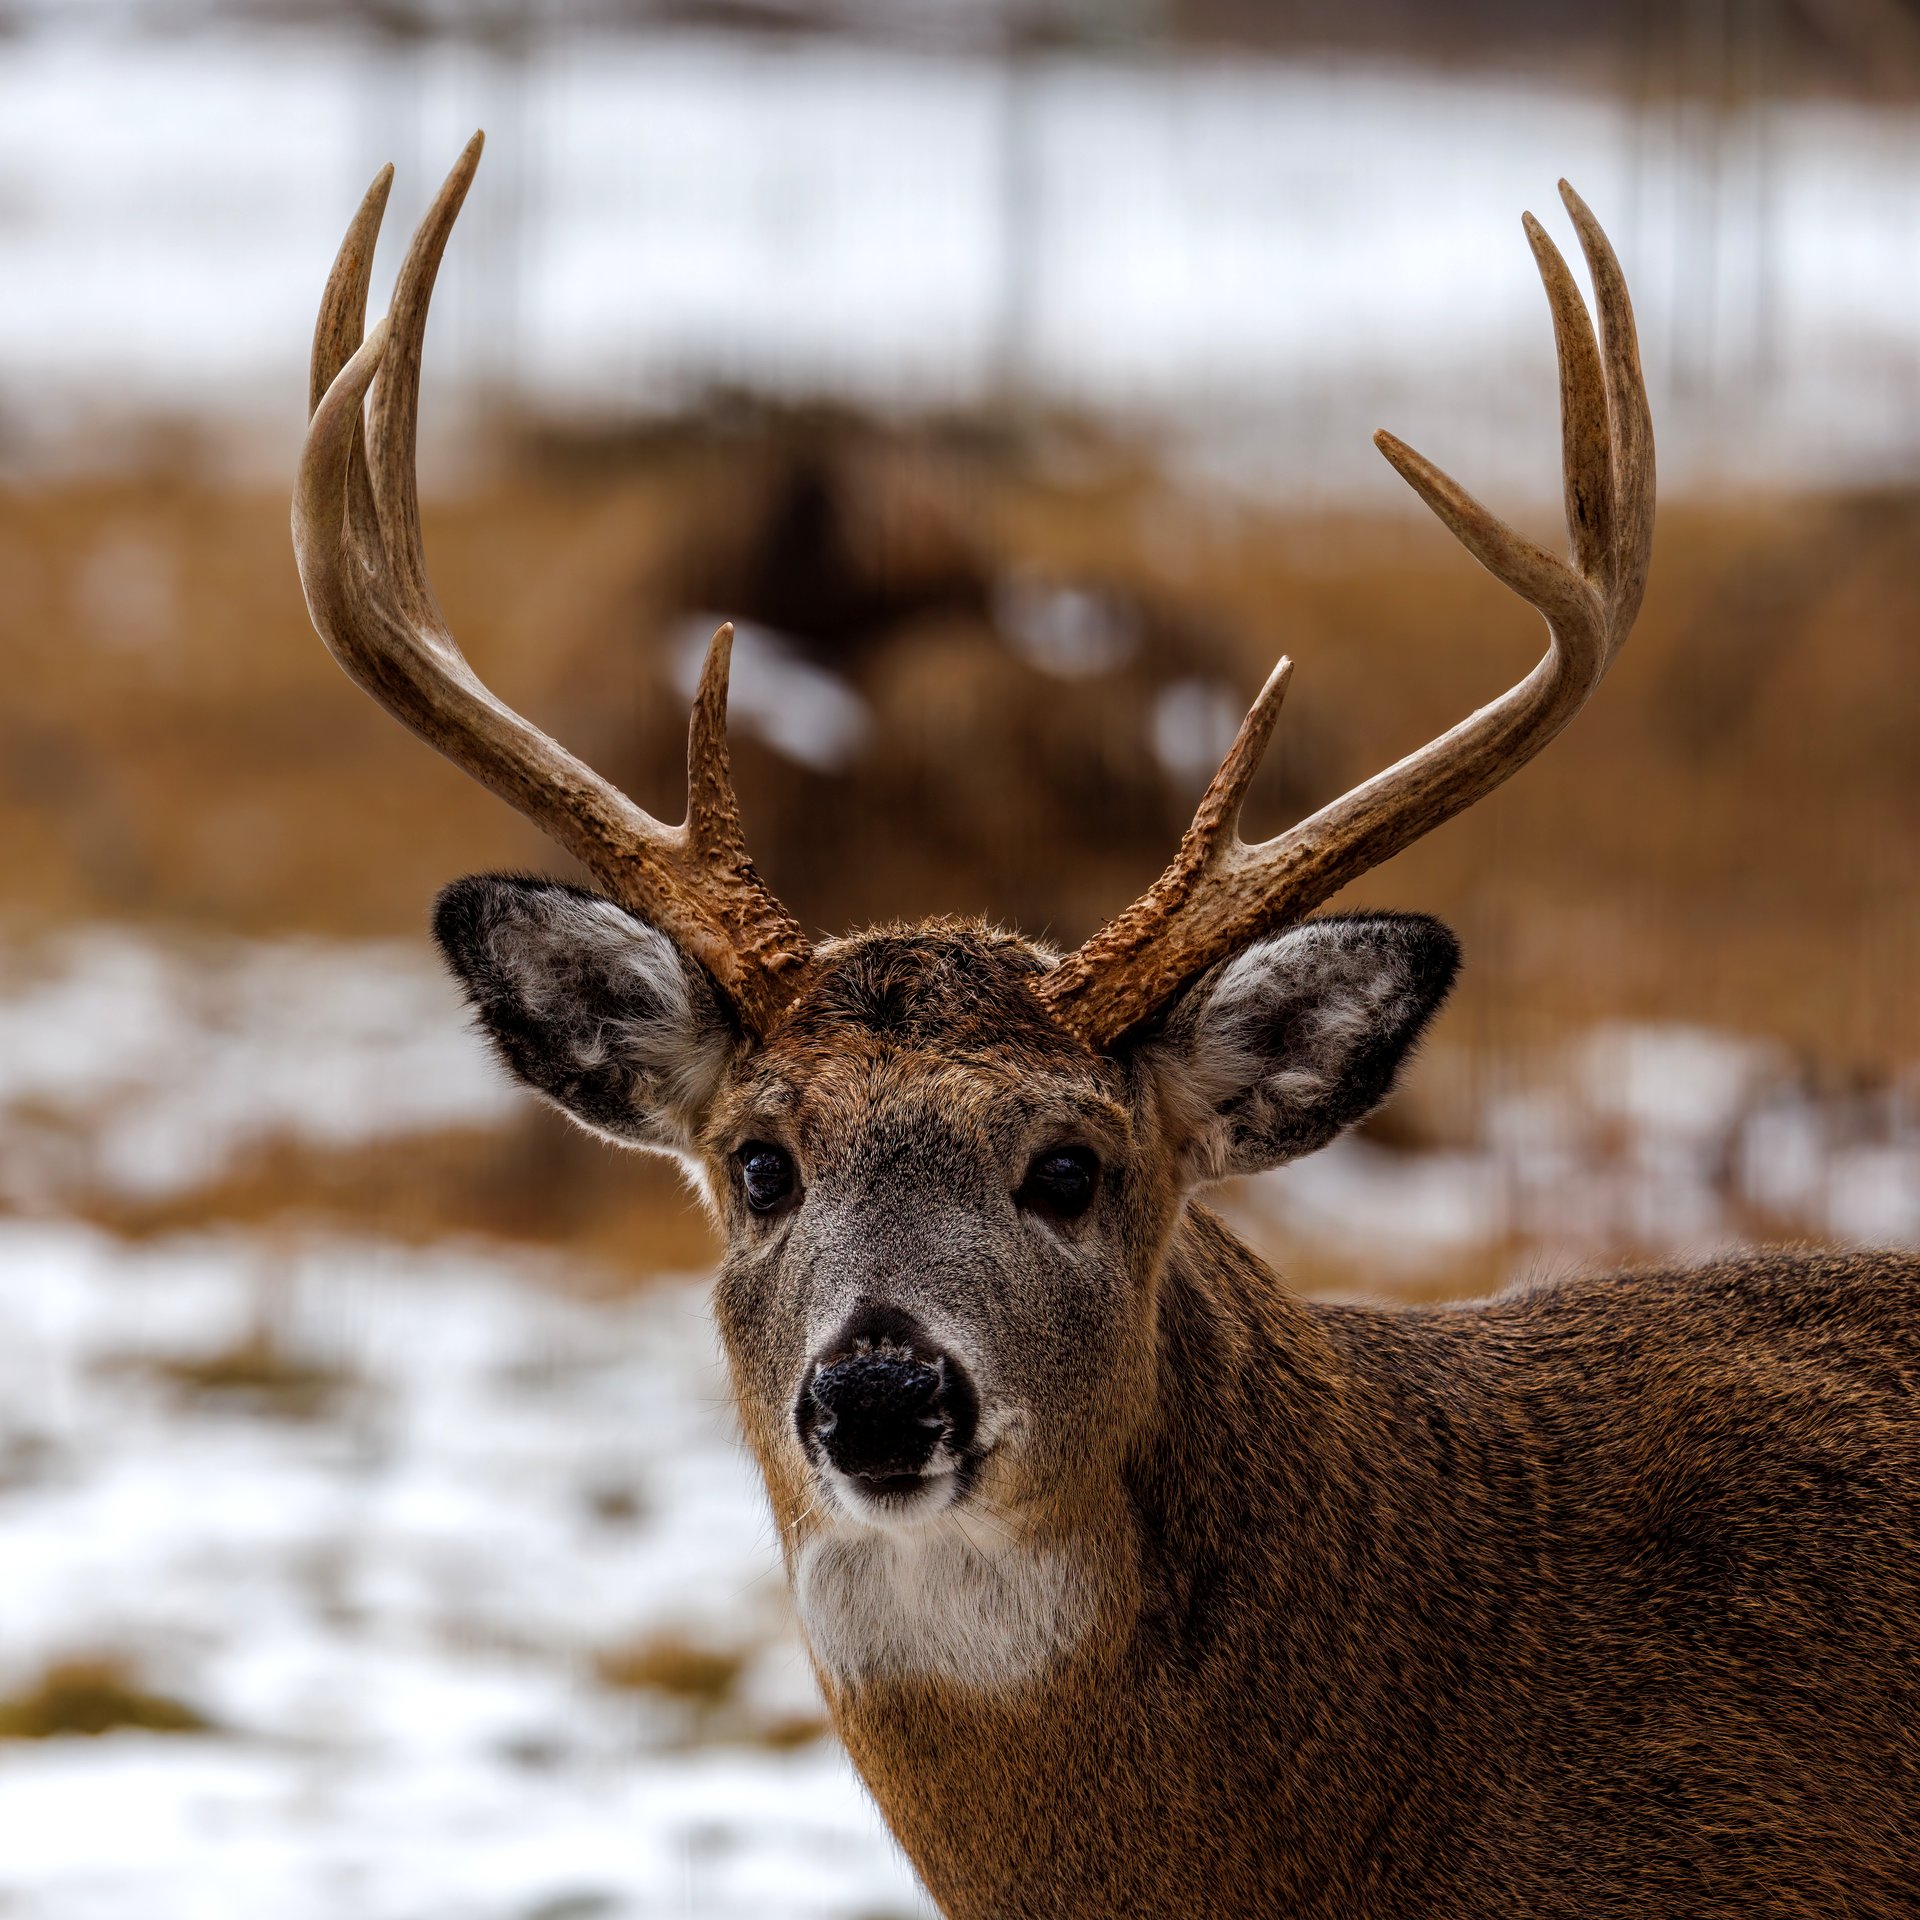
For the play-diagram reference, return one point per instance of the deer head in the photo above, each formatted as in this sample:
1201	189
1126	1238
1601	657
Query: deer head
949	1164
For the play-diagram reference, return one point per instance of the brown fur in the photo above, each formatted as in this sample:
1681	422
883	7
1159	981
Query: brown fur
1597	1600
1603	1599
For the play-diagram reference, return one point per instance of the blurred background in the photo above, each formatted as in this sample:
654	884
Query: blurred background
373	1540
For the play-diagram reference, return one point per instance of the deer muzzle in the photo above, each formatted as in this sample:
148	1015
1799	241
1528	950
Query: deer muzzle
889	1413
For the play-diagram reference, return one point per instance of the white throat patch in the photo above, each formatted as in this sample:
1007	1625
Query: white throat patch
941	1600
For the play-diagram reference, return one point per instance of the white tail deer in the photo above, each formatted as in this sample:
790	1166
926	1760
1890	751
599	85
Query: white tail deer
1135	1585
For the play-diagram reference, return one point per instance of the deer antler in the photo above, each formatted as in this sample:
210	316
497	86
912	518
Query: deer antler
1220	893
356	536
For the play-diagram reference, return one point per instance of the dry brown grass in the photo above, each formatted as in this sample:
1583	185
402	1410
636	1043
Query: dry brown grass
258	1375
703	1682
667	1664
624	1215
92	1696
1728	835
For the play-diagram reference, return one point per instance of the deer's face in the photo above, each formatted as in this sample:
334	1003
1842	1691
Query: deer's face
943	1219
946	1217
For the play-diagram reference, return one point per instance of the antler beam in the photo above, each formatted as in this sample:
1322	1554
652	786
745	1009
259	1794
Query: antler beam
1220	893
356	537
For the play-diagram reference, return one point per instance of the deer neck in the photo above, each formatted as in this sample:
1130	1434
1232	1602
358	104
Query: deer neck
1207	1556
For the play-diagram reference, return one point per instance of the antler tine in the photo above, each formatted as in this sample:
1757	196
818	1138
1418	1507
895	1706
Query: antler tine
337	335
1130	946
1219	893
394	417
1586	441
1629	417
714	828
343	305
356	536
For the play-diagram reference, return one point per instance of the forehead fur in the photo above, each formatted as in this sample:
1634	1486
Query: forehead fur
955	989
908	1038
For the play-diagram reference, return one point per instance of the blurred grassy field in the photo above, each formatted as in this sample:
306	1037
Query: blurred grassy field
1726	837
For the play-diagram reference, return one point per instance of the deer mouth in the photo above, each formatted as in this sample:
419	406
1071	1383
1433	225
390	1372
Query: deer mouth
911	1497
889	1486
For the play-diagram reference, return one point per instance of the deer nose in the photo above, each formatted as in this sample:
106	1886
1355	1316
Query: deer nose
879	1416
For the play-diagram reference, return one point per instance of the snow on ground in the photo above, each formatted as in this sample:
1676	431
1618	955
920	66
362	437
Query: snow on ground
391	1604
1262	260
467	1572
140	1066
1647	1141
144	1066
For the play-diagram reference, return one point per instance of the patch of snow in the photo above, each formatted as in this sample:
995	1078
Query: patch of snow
1678	1083
1071	632
1783	1157
1634	1141
1256	259
146	1066
390	1610
1873	1194
1405	1210
799	709
1194	722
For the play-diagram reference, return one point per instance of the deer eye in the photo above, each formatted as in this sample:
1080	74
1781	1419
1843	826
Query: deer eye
766	1175
1060	1183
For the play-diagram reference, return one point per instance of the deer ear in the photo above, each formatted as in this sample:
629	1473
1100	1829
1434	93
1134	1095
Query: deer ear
597	1011
1271	1054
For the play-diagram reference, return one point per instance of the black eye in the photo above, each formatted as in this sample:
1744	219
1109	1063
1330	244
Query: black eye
1060	1183
766	1174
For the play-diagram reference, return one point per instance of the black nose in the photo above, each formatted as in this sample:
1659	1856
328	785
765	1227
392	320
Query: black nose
881	1415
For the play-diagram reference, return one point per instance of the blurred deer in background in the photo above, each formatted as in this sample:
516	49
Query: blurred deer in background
1135	1585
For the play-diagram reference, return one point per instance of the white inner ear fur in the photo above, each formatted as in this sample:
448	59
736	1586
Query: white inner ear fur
1274	1036
575	962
